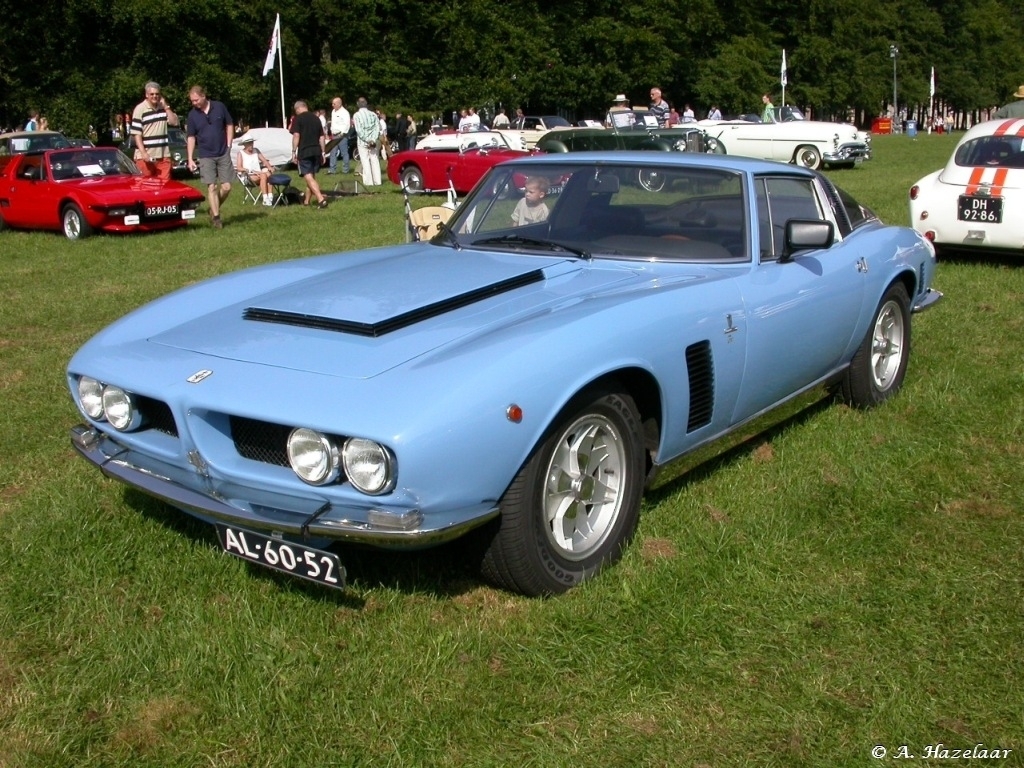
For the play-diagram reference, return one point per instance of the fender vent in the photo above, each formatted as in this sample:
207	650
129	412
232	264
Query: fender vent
700	369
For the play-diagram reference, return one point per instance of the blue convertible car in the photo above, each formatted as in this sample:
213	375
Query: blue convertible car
521	375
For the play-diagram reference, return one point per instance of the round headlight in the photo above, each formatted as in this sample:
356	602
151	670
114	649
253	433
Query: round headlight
368	465
313	456
90	395
120	408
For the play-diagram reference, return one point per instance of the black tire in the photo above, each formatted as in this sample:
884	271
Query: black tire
73	223
553	532
808	157
412	178
878	368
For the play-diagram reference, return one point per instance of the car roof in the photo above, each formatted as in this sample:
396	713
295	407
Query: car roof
28	134
682	159
1009	126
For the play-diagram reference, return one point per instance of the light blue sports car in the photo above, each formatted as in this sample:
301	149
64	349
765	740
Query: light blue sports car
521	375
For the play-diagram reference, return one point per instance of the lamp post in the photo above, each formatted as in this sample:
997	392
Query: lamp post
893	53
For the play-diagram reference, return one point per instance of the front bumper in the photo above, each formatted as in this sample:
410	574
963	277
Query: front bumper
278	513
927	300
848	153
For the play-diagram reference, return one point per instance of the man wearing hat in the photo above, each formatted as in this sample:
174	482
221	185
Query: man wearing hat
254	166
621	105
1014	108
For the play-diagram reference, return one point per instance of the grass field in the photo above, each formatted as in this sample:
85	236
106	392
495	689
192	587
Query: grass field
830	583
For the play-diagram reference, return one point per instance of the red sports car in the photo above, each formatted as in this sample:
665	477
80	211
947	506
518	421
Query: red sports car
462	161
82	189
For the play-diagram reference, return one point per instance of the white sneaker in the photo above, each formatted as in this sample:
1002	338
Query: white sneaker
268	200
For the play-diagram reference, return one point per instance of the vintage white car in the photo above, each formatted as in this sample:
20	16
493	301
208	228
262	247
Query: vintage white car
463	140
534	127
971	204
810	143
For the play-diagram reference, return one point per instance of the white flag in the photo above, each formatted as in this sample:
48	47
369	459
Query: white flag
782	73
275	45
931	88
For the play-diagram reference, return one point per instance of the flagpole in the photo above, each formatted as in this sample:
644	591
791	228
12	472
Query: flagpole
783	78
931	101
280	70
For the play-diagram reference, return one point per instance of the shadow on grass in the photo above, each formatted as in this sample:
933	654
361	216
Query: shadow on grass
704	462
447	570
983	258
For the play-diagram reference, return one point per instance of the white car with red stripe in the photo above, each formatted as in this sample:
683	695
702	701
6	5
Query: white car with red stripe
976	201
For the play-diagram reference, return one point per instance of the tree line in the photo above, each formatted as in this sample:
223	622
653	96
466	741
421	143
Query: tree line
82	62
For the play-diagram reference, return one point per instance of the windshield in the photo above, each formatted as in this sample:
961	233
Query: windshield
992	152
634	211
81	163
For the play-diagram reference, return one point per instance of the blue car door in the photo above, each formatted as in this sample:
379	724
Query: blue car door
800	313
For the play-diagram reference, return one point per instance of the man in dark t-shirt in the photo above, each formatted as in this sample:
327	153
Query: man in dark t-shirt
308	150
210	131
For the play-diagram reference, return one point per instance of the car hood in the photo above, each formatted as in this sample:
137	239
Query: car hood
118	189
358	318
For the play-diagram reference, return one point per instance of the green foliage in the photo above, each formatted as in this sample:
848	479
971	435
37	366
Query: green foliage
82	61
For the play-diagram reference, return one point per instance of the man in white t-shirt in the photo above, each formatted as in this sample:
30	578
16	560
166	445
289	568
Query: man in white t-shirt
341	122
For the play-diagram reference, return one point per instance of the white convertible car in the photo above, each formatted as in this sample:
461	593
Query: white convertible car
973	203
810	143
463	140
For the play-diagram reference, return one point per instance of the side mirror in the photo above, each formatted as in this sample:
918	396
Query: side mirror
805	235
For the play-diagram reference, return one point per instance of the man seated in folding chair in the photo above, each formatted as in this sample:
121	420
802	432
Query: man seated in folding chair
254	171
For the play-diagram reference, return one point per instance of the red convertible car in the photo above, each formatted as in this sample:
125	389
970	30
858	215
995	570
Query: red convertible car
460	162
80	190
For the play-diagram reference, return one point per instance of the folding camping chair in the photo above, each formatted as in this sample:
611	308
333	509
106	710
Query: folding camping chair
252	191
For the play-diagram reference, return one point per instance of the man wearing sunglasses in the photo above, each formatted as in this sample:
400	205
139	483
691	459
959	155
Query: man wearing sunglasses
149	133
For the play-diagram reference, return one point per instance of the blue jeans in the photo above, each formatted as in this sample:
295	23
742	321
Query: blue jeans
342	149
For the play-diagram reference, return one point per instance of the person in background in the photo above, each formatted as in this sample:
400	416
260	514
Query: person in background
500	119
308	142
341	122
621	104
768	115
659	107
519	121
673	116
33	120
715	113
209	131
1014	108
148	130
688	116
401	131
367	138
254	164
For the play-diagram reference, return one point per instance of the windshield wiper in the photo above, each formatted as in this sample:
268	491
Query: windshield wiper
550	245
448	234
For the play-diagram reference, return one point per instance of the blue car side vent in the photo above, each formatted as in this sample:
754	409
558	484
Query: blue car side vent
700	368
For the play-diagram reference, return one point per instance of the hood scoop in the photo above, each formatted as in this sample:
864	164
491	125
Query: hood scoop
395	322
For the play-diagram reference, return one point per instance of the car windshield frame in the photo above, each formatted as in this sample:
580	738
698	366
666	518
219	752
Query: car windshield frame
624	211
89	162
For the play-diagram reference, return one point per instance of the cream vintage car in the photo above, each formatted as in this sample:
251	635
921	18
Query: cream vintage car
970	204
810	143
